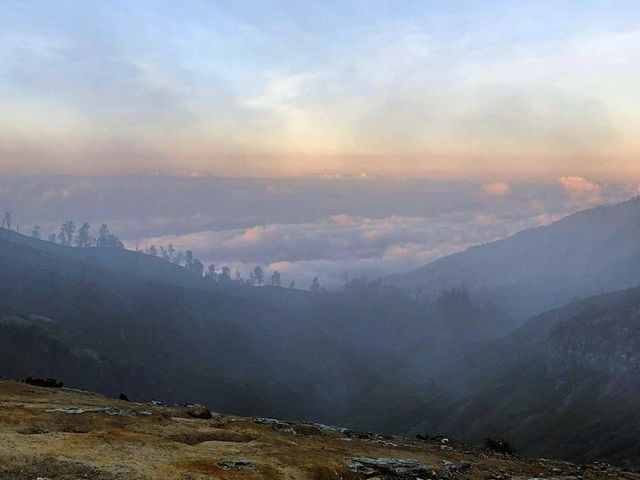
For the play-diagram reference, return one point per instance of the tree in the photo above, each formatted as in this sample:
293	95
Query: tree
292	284
315	285
238	275
53	238
6	220
67	229
164	253
225	276
83	240
275	278
107	239
188	259
153	251
257	275
197	267
178	258
211	272
35	233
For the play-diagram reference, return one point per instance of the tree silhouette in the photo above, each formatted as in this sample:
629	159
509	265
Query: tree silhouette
35	233
83	240
257	275
275	278
197	267
315	285
225	276
188	259
67	229
106	239
211	272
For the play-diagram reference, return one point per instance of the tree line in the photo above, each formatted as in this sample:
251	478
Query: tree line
81	237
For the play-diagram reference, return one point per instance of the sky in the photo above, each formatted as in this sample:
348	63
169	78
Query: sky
487	91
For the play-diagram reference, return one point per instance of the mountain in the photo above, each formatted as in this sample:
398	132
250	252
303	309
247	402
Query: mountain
116	321
564	384
567	383
588	253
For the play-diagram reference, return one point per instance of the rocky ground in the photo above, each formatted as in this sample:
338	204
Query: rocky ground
53	433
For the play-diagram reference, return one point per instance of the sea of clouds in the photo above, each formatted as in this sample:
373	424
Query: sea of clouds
332	227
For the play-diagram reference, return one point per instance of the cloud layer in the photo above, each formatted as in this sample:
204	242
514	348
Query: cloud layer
307	226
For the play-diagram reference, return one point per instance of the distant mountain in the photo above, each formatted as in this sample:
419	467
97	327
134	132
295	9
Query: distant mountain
567	383
591	252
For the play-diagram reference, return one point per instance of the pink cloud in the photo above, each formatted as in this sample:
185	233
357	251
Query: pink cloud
581	190
496	189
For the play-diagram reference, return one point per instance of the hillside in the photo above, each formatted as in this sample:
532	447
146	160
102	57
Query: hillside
566	384
588	253
61	434
114	320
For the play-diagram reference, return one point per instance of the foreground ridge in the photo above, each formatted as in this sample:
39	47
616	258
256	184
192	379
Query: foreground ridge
61	433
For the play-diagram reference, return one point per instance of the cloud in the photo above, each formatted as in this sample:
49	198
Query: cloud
363	245
312	226
581	190
497	189
575	184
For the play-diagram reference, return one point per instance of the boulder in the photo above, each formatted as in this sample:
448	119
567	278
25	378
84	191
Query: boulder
200	411
47	382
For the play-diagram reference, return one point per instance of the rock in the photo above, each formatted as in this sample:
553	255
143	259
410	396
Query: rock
237	465
449	469
48	382
124	397
200	411
157	403
284	427
397	468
